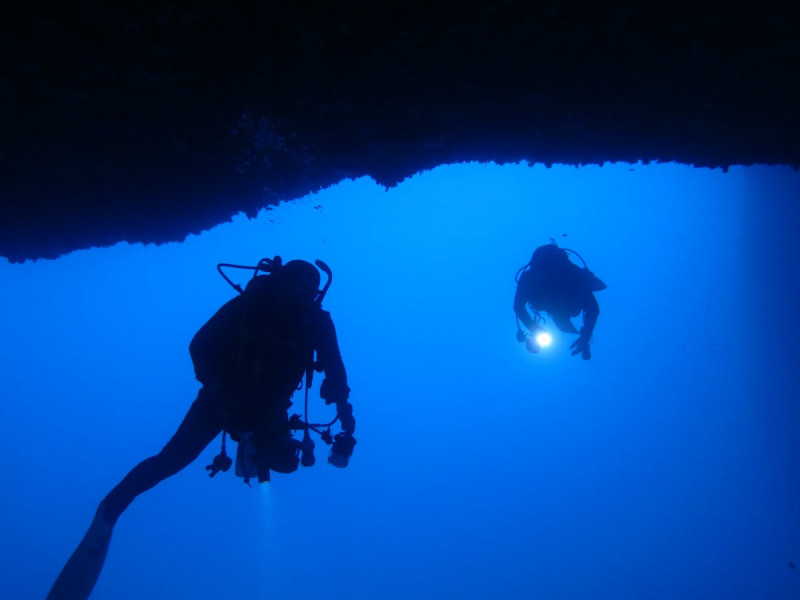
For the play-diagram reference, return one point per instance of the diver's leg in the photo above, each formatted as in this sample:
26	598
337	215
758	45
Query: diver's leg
78	577
199	427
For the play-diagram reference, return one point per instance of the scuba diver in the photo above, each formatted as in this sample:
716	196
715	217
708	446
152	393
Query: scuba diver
251	357
553	284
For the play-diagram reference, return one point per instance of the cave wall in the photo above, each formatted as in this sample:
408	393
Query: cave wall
148	123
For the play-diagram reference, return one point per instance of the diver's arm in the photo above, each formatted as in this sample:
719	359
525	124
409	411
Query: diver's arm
591	310
330	359
334	389
521	310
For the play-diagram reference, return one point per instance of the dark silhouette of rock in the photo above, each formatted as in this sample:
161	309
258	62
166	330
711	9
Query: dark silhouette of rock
153	121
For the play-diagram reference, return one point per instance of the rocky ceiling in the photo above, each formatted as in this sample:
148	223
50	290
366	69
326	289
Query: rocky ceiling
146	122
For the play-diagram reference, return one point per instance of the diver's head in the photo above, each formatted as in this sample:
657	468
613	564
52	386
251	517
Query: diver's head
547	254
299	282
548	259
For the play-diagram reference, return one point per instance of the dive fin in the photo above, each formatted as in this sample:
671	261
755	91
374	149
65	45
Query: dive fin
79	576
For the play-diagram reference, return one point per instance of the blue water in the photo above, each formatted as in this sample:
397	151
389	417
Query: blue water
666	467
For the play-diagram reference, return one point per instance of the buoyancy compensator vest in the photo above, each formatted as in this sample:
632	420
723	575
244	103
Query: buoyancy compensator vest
254	352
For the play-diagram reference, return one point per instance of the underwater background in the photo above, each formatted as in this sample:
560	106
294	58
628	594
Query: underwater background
666	467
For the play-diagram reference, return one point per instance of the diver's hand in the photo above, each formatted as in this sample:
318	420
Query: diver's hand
332	393
581	346
525	338
344	410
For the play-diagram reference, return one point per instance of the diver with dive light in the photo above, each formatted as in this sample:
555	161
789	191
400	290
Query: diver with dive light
251	357
553	284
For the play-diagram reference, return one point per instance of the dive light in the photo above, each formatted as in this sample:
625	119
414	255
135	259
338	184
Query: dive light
539	339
